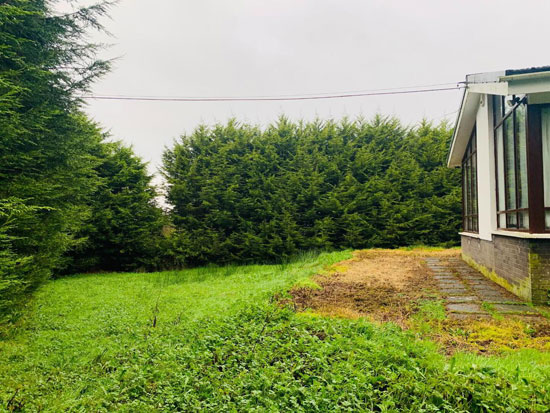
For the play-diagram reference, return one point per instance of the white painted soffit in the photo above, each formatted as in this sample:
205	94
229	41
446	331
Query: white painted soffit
506	85
464	127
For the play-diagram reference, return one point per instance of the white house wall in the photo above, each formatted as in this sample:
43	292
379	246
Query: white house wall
485	169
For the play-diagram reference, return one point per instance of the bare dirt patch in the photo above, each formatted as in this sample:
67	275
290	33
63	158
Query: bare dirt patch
398	286
383	285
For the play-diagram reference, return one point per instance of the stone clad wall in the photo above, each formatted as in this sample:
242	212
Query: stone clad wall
520	265
539	260
479	250
511	257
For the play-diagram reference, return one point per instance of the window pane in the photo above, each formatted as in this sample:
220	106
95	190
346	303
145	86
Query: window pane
474	183
545	120
502	220
497	109
509	164
500	171
511	220
469	186
521	142
523	220
465	188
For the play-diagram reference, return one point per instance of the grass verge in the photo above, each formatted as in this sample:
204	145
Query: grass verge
209	340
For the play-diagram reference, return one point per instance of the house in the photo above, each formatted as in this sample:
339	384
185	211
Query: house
502	143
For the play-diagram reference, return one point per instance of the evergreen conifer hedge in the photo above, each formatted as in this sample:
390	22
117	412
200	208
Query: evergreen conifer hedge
242	194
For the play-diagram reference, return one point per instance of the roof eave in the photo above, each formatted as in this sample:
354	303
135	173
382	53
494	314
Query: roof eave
463	128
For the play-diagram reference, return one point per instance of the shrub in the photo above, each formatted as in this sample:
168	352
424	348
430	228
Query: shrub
242	194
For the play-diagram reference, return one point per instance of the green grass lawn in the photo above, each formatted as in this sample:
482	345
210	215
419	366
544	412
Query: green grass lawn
210	339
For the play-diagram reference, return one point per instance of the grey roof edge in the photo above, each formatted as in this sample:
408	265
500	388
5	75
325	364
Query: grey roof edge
486	77
492	77
537	69
453	139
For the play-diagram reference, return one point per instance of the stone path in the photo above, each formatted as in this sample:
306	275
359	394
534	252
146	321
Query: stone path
469	294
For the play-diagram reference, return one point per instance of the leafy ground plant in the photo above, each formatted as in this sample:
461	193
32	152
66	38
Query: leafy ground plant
210	340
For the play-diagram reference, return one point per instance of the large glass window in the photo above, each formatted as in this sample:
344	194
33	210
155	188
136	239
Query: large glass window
511	162
545	134
469	186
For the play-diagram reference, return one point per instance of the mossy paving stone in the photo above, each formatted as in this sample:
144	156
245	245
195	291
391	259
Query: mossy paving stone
448	289
454	291
514	308
466	289
451	286
452	280
469	316
488	290
470	308
500	300
476	280
461	299
468	272
445	278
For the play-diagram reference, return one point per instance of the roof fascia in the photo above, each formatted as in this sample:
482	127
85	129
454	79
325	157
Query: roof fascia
464	126
529	85
494	88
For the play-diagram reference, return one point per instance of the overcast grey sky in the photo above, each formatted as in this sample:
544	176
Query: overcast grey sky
274	47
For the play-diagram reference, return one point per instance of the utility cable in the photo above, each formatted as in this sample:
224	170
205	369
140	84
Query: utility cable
320	96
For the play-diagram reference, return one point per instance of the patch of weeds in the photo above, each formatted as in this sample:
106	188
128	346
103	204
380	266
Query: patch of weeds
332	270
490	308
307	284
430	310
428	316
493	336
544	312
504	335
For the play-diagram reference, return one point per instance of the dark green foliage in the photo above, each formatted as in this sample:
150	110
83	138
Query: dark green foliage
242	194
16	271
124	232
47	147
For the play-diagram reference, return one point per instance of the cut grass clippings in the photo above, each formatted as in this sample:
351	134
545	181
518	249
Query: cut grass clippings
396	286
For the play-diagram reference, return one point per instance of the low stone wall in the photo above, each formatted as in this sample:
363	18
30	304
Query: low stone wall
520	265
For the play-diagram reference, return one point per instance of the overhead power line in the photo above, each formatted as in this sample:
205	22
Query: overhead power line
320	96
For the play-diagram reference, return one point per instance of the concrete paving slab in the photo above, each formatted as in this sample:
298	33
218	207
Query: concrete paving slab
481	284
451	286
514	308
478	280
470	308
468	316
445	278
454	291
493	298
452	281
461	298
465	289
497	300
483	289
